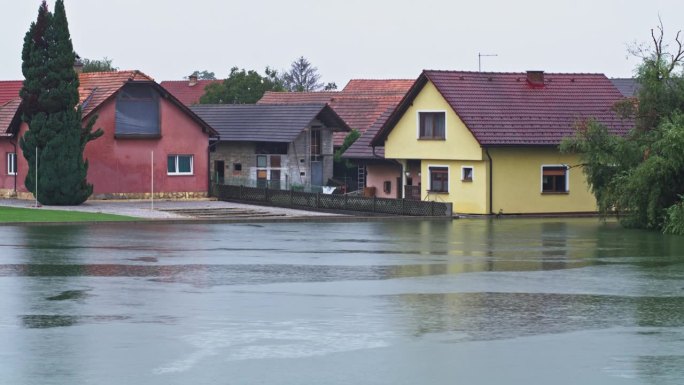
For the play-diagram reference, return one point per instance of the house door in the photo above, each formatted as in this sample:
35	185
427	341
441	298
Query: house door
219	169
275	180
317	173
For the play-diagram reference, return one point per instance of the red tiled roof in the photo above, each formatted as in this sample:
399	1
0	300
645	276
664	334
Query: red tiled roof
9	90
8	112
97	87
359	104
379	85
504	109
186	93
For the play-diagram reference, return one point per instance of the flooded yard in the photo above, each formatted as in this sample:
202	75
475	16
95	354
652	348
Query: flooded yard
508	301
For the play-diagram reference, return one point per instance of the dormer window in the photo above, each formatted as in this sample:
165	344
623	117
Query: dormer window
137	112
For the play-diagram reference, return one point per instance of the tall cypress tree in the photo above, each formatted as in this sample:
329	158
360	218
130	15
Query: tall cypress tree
50	96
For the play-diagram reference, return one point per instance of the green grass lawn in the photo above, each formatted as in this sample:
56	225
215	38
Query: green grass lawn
15	215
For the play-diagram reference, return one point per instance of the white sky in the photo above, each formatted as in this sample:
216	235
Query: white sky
168	39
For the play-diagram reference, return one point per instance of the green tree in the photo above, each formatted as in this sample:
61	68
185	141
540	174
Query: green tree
641	176
302	76
98	65
332	86
204	75
242	87
50	96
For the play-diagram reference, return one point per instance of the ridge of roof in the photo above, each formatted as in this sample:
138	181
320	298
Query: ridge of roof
514	112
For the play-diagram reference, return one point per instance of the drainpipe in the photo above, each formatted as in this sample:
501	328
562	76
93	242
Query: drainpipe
491	185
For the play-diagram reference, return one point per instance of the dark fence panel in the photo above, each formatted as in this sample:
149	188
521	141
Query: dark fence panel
299	199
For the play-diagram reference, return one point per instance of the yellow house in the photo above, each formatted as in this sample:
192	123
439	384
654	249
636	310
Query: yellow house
488	142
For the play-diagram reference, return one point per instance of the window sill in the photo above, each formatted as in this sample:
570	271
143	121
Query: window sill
437	192
137	136
179	174
432	139
467	180
555	192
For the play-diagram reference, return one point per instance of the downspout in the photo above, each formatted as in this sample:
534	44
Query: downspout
491	185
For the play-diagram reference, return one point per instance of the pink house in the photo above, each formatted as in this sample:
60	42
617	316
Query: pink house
364	104
152	142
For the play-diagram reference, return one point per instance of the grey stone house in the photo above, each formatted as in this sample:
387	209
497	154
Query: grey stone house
280	146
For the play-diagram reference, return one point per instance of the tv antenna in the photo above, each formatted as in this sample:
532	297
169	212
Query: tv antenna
479	59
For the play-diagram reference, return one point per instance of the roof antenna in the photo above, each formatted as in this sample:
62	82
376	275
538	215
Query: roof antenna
479	59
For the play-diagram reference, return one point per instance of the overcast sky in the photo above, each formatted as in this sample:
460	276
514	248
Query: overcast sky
168	39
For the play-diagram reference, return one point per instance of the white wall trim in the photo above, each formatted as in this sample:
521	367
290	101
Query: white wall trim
446	122
567	176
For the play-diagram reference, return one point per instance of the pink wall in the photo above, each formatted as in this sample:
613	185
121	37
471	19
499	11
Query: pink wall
377	174
121	167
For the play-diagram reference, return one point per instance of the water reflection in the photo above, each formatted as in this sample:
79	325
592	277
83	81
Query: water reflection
331	301
488	316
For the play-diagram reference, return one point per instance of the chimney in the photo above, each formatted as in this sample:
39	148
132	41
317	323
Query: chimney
192	80
78	65
535	78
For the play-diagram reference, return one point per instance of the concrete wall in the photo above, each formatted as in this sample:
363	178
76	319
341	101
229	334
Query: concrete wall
295	166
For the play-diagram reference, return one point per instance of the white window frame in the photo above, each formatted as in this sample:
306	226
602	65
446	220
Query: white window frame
429	175
567	178
472	174
446	124
11	163
177	156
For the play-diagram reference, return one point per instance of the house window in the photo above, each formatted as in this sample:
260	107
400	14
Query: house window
237	167
467	174
554	179
432	125
11	163
275	161
315	143
439	179
179	165
137	112
387	187
262	161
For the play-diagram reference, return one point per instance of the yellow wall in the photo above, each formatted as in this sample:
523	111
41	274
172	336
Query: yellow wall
517	182
467	197
517	170
403	143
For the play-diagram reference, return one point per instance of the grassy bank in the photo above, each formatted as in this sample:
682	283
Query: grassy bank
15	215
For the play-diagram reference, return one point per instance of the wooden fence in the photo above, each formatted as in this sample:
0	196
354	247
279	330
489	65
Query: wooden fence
298	199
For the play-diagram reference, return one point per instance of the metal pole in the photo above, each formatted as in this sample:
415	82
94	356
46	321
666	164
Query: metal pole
36	194
152	179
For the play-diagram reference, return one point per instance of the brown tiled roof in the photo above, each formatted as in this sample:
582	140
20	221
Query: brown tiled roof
379	85
273	97
9	90
97	87
8	115
360	104
9	104
266	123
503	109
186	93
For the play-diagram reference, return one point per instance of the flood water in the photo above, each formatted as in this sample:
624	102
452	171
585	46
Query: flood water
508	301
